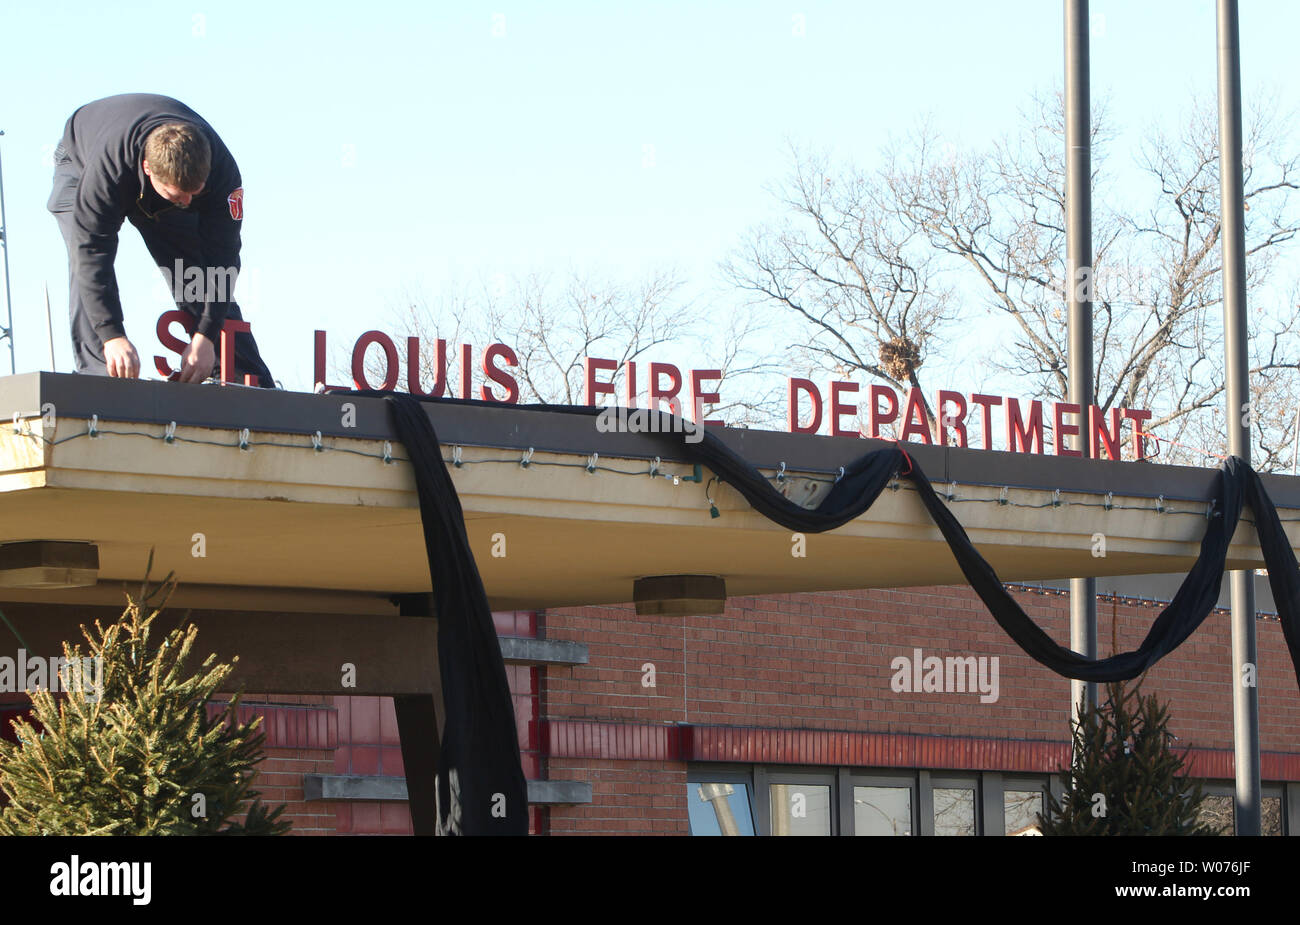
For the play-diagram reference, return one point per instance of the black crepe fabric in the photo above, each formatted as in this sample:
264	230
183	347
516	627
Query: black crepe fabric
481	786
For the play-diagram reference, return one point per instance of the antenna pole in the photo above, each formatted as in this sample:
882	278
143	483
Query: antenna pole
8	331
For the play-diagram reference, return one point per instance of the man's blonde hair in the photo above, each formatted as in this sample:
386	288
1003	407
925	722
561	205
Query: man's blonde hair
179	155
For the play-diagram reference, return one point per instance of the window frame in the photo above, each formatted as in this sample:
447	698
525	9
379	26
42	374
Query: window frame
725	774
1040	782
881	777
945	780
785	774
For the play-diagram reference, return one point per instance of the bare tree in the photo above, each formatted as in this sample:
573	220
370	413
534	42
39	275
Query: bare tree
553	327
868	264
865	285
552	332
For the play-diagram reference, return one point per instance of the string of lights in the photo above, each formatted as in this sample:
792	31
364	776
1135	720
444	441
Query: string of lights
1112	597
781	478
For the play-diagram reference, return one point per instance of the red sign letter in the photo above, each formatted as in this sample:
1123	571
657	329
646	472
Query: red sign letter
413	368
594	388
699	396
956	420
1100	437
500	376
466	371
657	394
631	384
1139	445
229	328
1061	430
359	360
914	419
878	392
1022	438
792	411
174	343
987	402
838	408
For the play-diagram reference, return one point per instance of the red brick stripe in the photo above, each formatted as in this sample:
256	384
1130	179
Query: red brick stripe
291	726
750	745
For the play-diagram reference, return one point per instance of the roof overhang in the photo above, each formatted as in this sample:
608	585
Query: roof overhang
283	520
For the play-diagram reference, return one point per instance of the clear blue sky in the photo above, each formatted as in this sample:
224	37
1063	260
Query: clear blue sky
390	145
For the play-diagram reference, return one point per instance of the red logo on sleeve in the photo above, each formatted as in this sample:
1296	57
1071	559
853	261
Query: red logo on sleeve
236	202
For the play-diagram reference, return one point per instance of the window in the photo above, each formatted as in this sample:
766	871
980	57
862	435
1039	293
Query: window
882	811
1217	812
1020	809
720	802
884	804
954	807
719	808
800	808
797	801
1271	815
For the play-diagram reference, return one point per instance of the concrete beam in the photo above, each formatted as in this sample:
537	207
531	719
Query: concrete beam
289	653
519	650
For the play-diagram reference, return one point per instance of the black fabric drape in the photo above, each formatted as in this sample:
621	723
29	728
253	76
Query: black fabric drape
481	740
481	786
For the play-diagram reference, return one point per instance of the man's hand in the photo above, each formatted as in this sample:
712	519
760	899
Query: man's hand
198	359
121	359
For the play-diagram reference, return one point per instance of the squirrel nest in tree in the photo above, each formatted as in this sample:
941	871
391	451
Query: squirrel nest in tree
900	357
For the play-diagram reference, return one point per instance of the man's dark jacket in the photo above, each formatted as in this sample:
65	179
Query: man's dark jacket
103	142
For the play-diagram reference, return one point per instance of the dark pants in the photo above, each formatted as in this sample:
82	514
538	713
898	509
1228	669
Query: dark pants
173	236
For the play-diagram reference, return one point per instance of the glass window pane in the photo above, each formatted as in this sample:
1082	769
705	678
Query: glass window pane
1217	812
719	808
882	810
1020	809
801	809
1271	816
954	811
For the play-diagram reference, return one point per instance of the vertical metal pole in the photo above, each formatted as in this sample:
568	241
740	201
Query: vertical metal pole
4	245
1079	284
49	329
1245	697
1295	447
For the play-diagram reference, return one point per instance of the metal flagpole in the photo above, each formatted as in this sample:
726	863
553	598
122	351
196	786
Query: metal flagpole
1245	695
4	244
1079	283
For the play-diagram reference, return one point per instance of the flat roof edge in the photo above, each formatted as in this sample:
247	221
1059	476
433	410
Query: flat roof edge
519	426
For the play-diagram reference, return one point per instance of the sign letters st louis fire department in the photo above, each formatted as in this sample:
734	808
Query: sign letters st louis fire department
965	419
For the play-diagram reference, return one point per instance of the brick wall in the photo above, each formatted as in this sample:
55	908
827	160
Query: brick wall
628	798
280	781
824	662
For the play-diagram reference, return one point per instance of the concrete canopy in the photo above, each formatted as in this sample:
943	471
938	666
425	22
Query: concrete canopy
283	525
